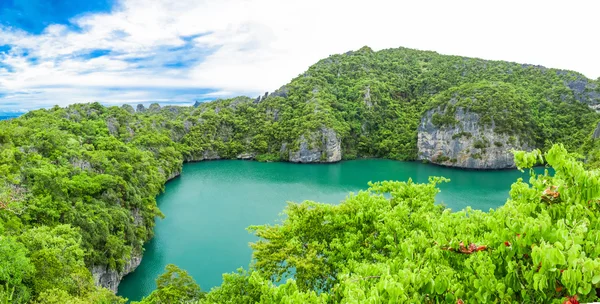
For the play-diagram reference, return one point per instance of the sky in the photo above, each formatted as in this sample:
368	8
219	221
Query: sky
59	52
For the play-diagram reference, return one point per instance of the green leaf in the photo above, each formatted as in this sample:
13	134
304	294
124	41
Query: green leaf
441	285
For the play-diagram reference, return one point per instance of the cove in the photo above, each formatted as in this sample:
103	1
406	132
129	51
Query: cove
208	208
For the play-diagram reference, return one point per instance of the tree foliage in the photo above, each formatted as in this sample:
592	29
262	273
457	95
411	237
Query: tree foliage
393	244
174	286
78	184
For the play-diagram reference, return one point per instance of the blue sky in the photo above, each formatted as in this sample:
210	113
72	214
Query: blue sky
35	15
177	51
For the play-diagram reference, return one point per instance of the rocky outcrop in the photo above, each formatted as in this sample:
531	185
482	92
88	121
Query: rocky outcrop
273	113
246	156
113	126
238	101
138	219
204	155
281	92
596	132
154	108
128	108
367	97
171	109
173	175
467	144
140	108
110	278
187	126
84	165
585	92
323	145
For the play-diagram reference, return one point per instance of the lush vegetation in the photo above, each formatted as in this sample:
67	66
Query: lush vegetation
78	188
500	105
393	244
174	286
375	100
510	109
74	194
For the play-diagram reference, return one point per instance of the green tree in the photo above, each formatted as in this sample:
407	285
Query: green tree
58	259
393	244
78	185
15	270
59	296
174	286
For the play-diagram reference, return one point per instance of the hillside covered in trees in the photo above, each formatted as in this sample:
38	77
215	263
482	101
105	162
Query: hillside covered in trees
370	104
78	186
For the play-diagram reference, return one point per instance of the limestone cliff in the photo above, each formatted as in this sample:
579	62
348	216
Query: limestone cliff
585	91
204	155
323	145
596	132
110	278
467	144
174	175
246	156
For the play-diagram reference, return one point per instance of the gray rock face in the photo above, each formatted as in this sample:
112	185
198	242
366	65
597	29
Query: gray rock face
321	146
205	155
274	113
367	97
246	156
113	126
234	104
211	155
597	132
140	108
284	152
84	165
130	131
281	92
585	92
138	220
467	144
187	125
110	278
173	175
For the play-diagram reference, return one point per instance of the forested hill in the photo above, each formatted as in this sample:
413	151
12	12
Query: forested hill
375	102
403	104
78	184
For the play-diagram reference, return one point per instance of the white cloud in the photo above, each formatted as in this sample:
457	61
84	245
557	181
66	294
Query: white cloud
253	46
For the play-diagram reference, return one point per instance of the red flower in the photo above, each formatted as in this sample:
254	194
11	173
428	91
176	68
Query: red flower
571	300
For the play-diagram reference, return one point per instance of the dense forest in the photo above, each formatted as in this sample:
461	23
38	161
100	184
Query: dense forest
374	102
78	188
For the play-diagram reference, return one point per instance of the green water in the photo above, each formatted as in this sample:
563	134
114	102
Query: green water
208	208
